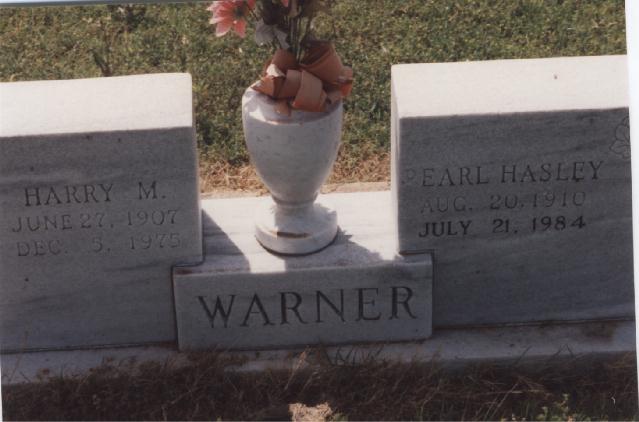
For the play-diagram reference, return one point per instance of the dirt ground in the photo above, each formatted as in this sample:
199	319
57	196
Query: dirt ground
208	389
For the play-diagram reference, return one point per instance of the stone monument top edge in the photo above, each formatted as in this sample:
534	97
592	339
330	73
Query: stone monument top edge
510	86
106	104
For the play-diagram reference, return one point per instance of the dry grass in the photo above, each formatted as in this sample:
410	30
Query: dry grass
220	175
375	390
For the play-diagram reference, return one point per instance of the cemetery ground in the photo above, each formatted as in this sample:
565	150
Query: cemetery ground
64	43
206	390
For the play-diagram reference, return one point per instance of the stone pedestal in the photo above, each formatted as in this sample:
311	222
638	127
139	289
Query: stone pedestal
295	230
356	290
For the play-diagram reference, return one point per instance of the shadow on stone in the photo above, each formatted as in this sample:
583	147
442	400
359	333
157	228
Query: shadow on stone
218	243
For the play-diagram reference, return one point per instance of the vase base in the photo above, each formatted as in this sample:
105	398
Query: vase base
295	232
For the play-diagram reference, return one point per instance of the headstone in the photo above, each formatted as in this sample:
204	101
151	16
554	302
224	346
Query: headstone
516	175
98	200
356	290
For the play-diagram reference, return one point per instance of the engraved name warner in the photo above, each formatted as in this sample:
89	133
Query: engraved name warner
316	307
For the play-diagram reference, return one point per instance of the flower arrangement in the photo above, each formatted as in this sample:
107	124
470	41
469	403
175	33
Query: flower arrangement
304	73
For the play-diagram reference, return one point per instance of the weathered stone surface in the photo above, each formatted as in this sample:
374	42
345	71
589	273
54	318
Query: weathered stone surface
98	200
243	297
516	174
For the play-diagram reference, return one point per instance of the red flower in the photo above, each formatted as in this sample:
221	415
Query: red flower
230	14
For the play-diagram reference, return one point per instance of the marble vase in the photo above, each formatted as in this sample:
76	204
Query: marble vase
293	155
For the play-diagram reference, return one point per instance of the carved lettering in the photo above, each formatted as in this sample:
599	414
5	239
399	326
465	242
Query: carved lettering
107	191
39	248
440	204
446	179
575	171
321	297
595	169
369	303
508	173
69	194
72	195
409	176
30	195
445	228
427	179
546	173
285	308
218	308
52	196
452	176
147	192
260	310
396	302
361	305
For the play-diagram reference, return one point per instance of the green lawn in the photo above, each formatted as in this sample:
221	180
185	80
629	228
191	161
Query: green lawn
371	35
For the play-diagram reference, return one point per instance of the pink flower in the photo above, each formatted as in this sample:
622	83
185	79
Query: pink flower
230	14
285	3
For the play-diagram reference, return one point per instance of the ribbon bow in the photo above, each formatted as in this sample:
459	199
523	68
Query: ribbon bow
318	81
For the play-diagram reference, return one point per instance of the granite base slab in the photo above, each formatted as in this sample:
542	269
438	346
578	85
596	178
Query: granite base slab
452	349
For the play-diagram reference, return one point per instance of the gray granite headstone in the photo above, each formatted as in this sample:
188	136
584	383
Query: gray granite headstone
516	175
98	200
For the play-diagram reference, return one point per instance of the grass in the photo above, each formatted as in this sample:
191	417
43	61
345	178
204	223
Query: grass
92	41
375	390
